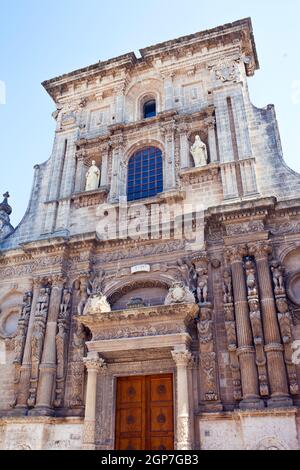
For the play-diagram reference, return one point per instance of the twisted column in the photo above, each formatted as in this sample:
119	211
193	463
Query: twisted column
273	346
245	351
94	365
182	360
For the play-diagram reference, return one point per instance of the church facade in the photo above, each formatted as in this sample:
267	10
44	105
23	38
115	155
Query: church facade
150	297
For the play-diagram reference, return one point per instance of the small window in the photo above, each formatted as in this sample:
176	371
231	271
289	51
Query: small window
149	109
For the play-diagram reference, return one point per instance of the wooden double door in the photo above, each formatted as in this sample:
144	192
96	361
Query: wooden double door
144	414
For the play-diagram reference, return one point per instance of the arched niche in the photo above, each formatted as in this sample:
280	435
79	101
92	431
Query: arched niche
138	94
151	292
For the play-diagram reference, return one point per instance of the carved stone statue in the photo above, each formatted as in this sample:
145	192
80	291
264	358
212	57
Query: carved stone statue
296	353
284	318
65	304
92	177
26	306
251	279
43	302
277	271
199	152
83	296
37	342
186	269
179	294
97	283
61	346
20	342
5	210
97	304
227	287
255	318
202	285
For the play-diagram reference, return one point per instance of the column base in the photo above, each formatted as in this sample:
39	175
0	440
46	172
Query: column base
22	411
41	411
252	404
280	402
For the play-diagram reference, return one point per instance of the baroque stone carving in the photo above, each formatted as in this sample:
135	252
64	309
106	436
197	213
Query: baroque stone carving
199	152
230	327
97	303
226	71
5	210
92	177
296	353
245	227
277	272
77	366
37	341
207	355
178	294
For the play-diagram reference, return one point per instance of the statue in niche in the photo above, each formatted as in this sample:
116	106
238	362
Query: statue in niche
186	269
251	279
65	304
43	302
199	152
202	285
277	272
227	287
83	296
92	177
37	342
26	306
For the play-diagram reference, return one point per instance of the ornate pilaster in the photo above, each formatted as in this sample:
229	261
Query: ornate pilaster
21	339
182	360
230	327
285	324
273	345
245	351
208	364
37	340
256	325
77	366
94	365
24	380
48	361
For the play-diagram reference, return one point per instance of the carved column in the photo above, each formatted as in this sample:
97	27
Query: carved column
94	365
77	367
23	387
273	345
168	131
246	351
182	360
184	146
48	362
117	158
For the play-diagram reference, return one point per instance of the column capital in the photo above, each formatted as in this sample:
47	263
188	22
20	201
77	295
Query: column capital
182	358
95	363
261	250
116	141
210	122
200	260
236	253
57	280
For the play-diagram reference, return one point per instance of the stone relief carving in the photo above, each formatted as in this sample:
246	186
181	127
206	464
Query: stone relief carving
178	294
202	285
77	366
199	152
37	341
285	324
207	355
245	227
226	71
97	303
230	327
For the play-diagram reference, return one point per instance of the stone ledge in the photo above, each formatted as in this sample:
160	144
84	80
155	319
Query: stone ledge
200	174
90	198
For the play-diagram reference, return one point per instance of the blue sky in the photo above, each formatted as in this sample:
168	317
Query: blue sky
40	39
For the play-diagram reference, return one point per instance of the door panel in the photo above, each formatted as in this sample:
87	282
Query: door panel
144	415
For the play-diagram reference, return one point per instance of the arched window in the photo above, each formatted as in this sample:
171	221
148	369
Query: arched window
149	109
145	174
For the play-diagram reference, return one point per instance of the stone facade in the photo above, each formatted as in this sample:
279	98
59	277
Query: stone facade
201	280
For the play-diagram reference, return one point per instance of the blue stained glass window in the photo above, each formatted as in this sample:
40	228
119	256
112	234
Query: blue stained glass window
145	174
